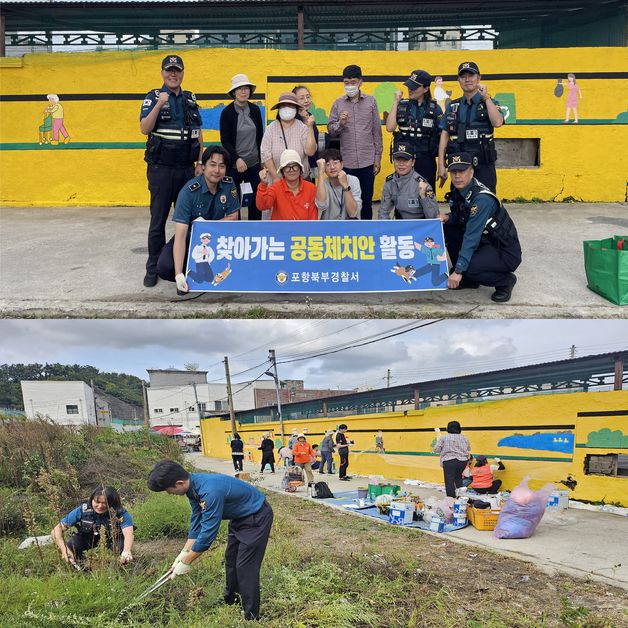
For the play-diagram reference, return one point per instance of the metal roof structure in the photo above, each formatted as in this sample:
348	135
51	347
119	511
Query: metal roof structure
562	375
291	23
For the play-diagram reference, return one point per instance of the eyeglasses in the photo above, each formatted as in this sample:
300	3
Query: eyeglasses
292	167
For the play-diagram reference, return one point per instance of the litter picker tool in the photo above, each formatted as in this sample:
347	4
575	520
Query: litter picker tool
157	585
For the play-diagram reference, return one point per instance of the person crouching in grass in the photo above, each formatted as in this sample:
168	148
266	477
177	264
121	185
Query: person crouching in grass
214	497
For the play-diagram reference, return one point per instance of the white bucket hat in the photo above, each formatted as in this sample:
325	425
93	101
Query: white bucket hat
289	156
240	80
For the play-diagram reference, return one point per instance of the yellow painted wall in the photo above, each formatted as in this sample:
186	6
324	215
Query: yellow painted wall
540	411
576	161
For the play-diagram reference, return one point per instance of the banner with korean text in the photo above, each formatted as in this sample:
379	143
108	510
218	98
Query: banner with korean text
317	256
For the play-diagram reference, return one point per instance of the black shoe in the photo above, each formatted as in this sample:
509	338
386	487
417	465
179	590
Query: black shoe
150	280
345	479
502	293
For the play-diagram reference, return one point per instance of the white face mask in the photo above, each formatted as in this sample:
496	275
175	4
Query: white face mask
287	113
351	90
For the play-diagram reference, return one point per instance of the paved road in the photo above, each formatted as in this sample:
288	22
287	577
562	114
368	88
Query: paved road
89	262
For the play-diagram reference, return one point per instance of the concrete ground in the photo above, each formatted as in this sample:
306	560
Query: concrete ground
89	262
587	545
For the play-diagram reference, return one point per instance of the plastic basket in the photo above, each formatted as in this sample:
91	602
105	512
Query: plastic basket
483	519
375	490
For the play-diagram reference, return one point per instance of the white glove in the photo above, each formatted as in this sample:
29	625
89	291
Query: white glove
497	460
181	283
180	569
126	557
182	554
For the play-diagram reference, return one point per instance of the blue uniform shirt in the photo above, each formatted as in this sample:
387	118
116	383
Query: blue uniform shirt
195	200
214	497
463	111
74	516
175	102
481	208
431	254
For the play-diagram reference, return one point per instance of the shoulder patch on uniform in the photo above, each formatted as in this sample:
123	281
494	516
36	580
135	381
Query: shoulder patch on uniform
430	193
390	177
146	102
194	186
234	193
473	210
228	179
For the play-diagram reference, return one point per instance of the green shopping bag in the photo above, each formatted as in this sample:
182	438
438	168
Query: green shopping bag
606	266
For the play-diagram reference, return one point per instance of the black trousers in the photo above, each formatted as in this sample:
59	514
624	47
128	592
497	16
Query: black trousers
426	167
489	265
246	544
80	542
251	175
452	470
486	174
237	462
164	184
268	458
366	177
344	462
493	488
165	260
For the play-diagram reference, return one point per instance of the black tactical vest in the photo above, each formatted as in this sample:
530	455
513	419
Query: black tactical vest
475	138
423	132
499	229
91	521
168	143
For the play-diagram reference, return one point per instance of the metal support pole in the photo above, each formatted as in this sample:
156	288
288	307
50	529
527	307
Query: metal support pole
198	405
271	357
3	24
619	374
300	29
417	399
230	397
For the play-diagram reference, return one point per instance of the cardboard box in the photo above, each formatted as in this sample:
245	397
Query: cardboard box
400	513
437	524
243	475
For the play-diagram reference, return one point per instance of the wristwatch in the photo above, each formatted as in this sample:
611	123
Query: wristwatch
347	189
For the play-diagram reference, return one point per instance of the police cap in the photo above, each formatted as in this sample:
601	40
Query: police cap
418	78
172	61
402	149
459	161
468	66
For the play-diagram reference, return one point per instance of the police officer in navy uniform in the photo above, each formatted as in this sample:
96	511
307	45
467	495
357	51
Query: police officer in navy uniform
480	236
102	511
209	196
418	118
468	126
170	117
405	191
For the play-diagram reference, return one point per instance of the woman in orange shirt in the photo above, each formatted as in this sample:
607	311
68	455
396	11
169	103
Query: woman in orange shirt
290	198
304	456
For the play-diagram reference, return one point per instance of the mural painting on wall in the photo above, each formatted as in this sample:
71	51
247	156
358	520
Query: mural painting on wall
606	438
53	126
545	441
573	95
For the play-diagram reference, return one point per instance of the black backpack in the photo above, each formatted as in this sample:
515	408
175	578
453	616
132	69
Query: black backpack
322	491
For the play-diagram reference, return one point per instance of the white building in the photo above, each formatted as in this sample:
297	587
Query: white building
64	403
172	396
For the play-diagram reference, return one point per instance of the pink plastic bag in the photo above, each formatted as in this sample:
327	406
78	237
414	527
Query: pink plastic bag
523	511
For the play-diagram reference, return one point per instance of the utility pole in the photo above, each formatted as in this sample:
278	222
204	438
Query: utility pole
198	405
572	352
388	378
146	413
273	374
230	396
91	383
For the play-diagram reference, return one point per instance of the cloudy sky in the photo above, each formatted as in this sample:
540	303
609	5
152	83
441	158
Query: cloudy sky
451	347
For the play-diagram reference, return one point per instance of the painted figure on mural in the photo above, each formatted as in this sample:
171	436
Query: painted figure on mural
45	129
55	110
440	95
573	95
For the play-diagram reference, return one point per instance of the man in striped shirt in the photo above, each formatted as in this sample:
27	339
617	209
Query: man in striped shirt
354	117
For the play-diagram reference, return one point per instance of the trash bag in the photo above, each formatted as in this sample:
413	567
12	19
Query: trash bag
523	511
445	509
606	267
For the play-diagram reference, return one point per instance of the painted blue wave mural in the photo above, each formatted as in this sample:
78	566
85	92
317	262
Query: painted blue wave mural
210	116
545	441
